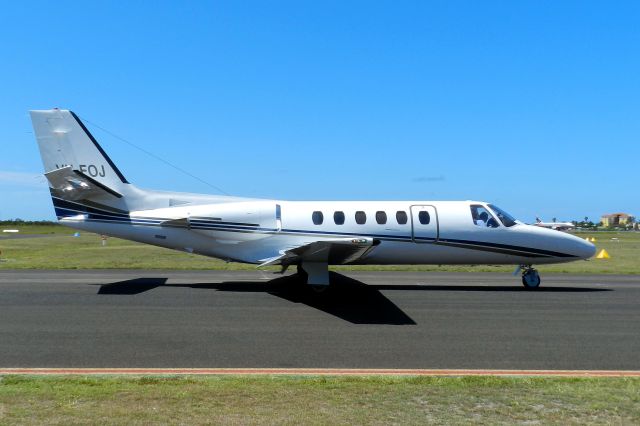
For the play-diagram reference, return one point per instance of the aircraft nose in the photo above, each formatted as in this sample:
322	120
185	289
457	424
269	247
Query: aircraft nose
588	249
582	248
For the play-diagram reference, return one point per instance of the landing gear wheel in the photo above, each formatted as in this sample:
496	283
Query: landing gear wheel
531	279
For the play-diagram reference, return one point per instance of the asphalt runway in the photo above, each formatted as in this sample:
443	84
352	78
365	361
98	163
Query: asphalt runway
215	319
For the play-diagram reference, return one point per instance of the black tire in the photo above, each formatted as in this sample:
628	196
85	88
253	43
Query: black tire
531	280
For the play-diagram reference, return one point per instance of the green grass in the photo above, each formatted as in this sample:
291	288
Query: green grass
318	400
45	228
62	251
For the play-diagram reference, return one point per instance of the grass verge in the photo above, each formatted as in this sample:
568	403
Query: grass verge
62	251
318	400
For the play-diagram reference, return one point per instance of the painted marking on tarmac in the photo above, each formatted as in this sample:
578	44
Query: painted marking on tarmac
317	371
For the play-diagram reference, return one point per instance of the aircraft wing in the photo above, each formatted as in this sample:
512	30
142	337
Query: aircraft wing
333	252
74	185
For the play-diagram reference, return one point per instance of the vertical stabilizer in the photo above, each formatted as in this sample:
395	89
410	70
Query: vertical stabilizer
83	179
65	142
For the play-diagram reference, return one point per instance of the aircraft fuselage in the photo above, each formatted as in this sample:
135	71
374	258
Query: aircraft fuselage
252	231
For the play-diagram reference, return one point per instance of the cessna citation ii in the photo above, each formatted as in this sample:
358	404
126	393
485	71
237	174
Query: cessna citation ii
90	193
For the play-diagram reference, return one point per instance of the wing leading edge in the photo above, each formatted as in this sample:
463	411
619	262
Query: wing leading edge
329	252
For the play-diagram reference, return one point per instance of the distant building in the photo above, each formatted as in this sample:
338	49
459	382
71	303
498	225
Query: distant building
616	219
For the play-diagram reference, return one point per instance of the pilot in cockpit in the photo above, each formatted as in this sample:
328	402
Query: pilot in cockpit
491	216
481	217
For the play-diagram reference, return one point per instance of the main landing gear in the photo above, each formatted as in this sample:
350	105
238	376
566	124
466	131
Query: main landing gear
316	275
530	277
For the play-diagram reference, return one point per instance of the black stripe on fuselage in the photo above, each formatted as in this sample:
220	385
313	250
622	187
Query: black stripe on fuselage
206	221
101	211
57	201
504	247
66	208
481	246
86	208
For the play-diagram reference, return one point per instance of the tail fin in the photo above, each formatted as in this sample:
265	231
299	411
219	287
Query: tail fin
65	143
83	179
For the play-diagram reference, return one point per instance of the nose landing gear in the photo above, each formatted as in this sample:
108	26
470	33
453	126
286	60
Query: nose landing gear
530	277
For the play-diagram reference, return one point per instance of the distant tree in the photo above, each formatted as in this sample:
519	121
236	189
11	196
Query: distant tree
554	219
20	222
629	224
586	219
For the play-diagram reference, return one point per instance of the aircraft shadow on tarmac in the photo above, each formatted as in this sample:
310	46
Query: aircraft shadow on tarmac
347	298
134	286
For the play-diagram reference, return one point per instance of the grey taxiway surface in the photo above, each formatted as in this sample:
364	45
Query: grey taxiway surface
248	319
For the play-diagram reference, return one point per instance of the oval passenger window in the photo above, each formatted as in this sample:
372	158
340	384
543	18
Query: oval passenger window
401	217
361	218
317	218
424	217
381	218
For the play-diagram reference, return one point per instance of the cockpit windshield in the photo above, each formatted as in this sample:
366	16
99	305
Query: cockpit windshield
483	217
506	219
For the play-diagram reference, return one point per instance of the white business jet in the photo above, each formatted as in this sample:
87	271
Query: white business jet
90	193
558	226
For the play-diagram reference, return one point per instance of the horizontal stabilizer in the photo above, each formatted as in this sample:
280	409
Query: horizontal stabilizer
74	185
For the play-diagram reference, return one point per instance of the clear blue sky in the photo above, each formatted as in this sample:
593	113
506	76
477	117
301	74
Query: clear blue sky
534	106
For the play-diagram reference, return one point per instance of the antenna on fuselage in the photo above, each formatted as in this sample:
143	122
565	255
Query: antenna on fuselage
168	163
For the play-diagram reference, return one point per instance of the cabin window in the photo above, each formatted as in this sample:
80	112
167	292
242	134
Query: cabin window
481	216
338	218
401	217
361	217
317	218
381	218
424	217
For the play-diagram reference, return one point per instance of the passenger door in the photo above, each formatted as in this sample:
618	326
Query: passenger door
278	218
424	224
